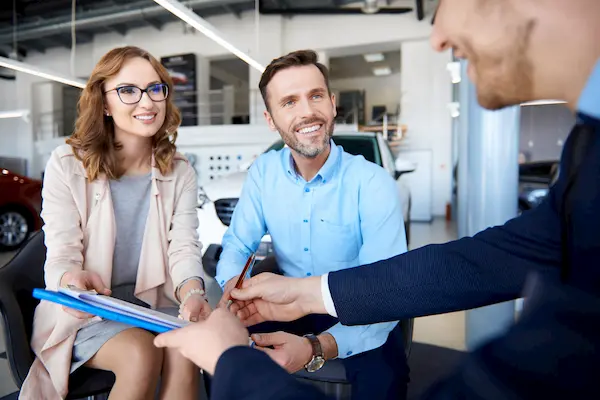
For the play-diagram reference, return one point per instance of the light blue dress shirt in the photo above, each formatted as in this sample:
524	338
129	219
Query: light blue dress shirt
589	101
348	215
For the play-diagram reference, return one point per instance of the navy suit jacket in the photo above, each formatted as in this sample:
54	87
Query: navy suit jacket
554	349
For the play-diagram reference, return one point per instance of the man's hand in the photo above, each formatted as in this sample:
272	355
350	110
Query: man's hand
226	291
204	342
291	352
270	297
84	280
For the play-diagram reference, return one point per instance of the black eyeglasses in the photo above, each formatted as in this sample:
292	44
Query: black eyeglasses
131	94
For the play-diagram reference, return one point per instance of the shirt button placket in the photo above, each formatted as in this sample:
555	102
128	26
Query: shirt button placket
305	230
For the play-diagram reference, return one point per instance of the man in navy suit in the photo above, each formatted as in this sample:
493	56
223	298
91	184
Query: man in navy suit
518	51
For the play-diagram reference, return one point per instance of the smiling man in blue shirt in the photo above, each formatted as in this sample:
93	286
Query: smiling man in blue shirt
325	210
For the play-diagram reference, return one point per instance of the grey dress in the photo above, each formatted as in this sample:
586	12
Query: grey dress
131	201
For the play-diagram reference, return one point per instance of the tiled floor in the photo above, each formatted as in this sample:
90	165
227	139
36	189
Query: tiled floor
446	330
443	330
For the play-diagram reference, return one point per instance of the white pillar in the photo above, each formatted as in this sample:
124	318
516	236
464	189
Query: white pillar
488	194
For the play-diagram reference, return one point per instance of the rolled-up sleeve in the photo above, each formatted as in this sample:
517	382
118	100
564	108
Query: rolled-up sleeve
245	231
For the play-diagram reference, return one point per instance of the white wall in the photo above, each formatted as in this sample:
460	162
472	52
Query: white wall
380	90
426	92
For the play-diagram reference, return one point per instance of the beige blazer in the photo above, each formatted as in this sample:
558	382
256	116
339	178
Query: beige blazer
80	233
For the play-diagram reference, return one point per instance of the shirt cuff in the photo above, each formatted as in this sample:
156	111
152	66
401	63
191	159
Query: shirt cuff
326	294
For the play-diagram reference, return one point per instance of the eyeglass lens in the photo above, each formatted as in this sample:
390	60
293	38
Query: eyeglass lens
133	94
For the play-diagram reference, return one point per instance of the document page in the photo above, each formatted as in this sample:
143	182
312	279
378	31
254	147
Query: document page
122	307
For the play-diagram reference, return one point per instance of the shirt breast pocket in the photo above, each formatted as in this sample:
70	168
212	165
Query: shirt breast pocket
335	242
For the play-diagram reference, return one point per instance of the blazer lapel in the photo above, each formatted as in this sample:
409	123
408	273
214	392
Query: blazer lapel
100	223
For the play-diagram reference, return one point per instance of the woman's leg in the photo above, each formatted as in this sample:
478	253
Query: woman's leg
180	378
135	361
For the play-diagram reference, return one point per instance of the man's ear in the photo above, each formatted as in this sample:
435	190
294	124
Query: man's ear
334	105
269	120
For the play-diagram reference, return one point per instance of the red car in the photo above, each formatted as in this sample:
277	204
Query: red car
20	206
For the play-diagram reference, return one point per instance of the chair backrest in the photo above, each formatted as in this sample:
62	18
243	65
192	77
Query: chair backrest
18	278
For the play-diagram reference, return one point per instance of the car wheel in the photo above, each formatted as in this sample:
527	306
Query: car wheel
14	229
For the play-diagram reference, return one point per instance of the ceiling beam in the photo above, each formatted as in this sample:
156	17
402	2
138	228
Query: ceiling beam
155	23
99	18
33	45
231	10
120	29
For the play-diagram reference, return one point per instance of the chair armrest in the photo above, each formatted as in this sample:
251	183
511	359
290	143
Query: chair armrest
18	349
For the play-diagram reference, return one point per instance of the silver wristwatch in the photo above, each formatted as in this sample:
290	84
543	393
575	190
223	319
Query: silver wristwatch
318	359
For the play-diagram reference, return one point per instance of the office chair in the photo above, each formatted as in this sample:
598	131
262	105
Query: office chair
18	278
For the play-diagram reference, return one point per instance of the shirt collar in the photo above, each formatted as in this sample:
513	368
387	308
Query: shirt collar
589	101
327	170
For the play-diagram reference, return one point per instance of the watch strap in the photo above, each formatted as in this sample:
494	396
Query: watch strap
317	349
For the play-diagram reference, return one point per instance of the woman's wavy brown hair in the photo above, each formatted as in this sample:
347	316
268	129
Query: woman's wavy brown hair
93	141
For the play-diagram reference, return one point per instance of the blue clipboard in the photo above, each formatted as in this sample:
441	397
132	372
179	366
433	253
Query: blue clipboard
72	302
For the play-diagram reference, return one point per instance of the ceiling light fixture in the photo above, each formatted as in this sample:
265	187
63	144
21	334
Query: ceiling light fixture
41	72
375	57
543	103
382	71
200	24
454	69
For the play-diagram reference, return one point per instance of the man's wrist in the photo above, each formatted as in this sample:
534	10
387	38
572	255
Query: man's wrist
310	293
329	346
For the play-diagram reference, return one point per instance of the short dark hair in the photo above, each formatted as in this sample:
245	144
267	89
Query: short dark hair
293	59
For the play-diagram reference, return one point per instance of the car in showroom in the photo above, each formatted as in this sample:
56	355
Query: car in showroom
20	206
217	199
535	179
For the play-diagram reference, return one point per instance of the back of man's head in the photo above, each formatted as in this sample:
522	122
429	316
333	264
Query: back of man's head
294	59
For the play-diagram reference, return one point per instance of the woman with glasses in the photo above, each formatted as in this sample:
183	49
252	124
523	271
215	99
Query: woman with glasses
119	207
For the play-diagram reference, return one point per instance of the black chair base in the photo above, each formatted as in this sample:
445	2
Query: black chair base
18	278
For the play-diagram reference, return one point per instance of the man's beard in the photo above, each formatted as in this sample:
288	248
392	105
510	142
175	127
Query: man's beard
308	150
505	79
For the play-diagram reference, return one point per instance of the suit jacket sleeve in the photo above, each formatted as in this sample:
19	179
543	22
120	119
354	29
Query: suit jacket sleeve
488	268
248	374
552	352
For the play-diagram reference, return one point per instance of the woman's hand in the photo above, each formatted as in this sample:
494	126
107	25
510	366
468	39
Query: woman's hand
84	280
195	308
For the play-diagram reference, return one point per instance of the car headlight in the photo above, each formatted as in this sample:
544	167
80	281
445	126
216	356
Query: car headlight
536	196
202	197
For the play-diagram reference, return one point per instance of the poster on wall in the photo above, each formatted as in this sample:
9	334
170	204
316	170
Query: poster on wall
182	69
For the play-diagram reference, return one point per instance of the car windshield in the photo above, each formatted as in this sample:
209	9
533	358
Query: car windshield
355	145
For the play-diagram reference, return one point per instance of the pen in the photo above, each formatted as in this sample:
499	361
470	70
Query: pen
240	281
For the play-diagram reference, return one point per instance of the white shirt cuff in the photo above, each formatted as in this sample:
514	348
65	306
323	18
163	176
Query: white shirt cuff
326	294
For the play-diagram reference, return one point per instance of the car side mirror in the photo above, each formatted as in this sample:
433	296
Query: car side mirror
404	167
398	174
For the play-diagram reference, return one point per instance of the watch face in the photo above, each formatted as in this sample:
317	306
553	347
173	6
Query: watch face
315	364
